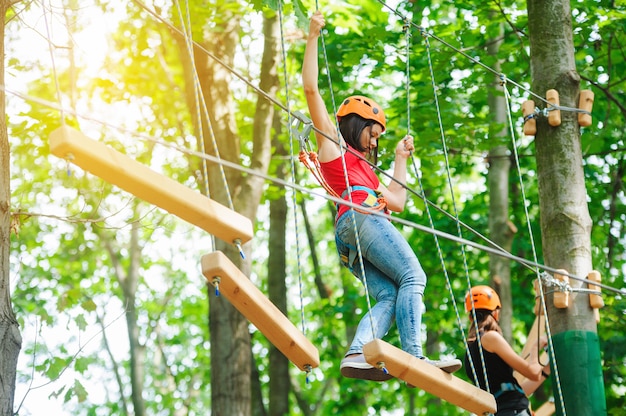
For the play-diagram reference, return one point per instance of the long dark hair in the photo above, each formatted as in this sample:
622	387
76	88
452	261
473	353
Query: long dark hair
351	127
486	322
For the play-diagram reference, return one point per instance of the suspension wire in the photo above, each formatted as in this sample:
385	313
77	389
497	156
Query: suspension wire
549	105
198	97
196	87
343	146
543	306
406	28
293	173
459	232
418	176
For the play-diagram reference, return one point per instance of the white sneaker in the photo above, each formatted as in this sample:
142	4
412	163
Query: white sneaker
355	366
449	366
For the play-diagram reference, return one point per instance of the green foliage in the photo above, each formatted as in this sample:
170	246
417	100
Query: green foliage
73	243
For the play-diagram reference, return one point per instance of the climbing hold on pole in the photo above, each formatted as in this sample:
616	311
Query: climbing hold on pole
585	102
561	295
554	114
595	299
530	121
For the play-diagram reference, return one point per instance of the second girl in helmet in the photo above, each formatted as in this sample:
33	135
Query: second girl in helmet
499	358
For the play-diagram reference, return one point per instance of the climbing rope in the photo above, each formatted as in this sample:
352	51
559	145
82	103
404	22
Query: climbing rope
53	61
293	177
186	28
406	28
202	111
457	222
533	247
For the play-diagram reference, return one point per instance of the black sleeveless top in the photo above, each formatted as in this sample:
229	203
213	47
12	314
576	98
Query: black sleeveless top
505	388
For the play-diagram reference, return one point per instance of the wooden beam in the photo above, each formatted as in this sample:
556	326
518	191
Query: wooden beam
141	181
254	305
429	378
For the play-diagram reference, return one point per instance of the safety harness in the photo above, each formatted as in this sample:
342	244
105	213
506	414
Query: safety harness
375	199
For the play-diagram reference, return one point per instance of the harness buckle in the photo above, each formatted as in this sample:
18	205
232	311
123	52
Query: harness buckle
301	128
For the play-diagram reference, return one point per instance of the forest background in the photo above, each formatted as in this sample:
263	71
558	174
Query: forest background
114	313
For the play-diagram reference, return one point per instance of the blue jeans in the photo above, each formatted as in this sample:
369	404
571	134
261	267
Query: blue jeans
395	279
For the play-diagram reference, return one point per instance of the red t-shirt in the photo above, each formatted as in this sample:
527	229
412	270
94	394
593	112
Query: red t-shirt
360	173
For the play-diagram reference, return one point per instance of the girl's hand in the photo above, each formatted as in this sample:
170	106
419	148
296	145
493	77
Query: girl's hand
316	24
405	147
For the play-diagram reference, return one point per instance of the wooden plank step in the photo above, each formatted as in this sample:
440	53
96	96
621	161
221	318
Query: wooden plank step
258	309
141	181
429	378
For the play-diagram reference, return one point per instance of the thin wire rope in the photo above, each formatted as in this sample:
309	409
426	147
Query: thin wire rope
52	59
196	87
534	250
549	105
293	168
352	212
188	36
312	192
456	215
407	35
427	209
205	111
406	28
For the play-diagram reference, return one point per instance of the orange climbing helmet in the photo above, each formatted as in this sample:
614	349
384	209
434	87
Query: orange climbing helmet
484	297
364	107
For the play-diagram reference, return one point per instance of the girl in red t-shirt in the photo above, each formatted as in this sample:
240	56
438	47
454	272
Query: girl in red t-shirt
394	276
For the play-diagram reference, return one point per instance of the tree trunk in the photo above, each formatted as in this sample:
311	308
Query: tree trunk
129	280
137	351
230	339
322	289
279	383
565	220
501	230
10	337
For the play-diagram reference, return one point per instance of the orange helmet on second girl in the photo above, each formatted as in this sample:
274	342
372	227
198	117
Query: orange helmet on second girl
484	297
364	107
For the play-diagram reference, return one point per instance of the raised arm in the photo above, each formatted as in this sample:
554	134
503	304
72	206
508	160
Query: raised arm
327	149
394	193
